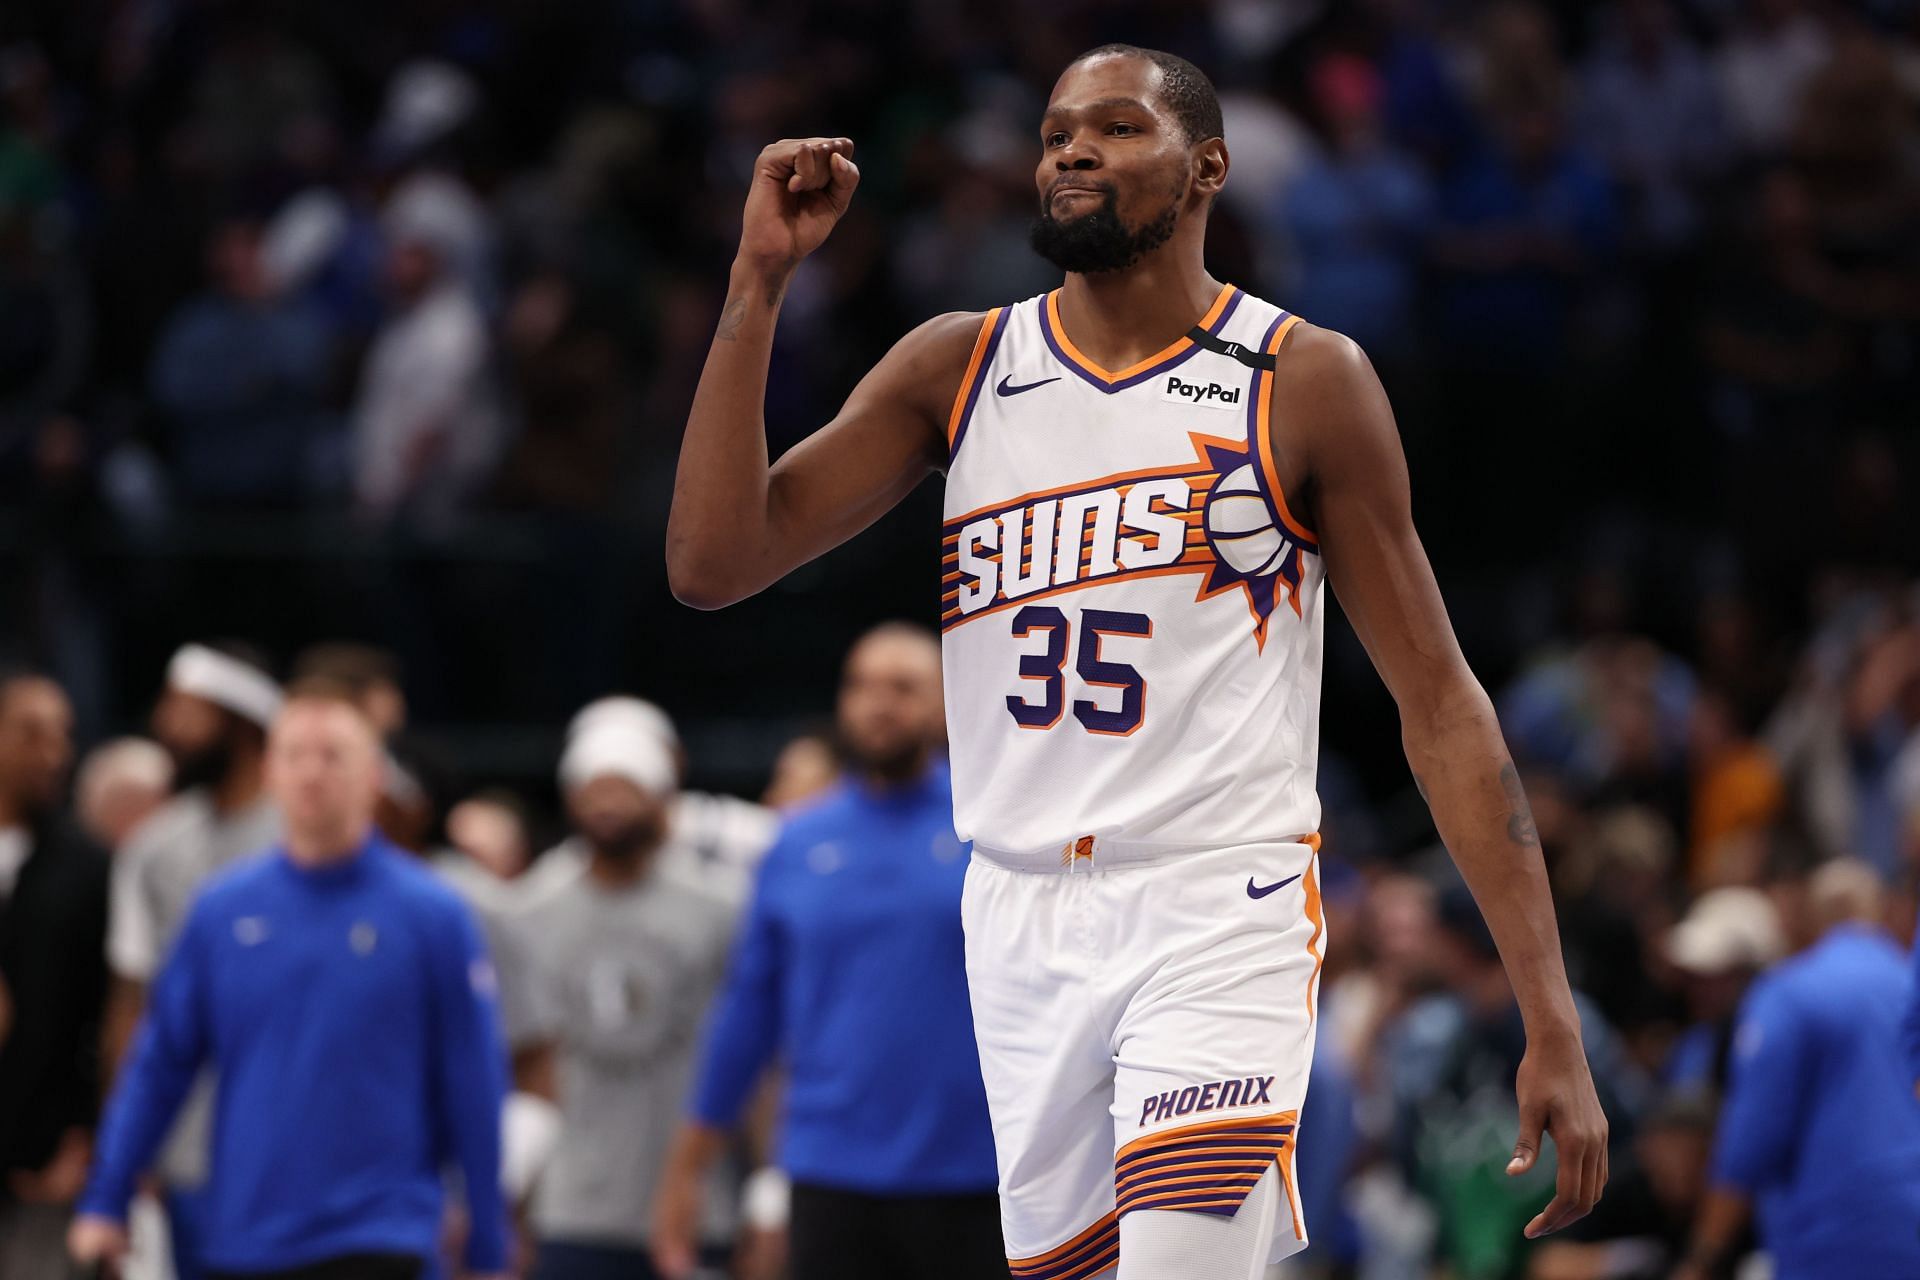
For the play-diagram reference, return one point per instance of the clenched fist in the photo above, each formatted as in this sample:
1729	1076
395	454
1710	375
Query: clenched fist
801	187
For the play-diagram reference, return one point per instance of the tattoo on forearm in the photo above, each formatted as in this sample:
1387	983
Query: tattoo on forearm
1520	828
730	320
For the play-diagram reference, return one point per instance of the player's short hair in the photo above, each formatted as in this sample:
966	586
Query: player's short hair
1187	91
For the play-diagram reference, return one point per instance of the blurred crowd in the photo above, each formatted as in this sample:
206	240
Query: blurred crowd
322	320
394	318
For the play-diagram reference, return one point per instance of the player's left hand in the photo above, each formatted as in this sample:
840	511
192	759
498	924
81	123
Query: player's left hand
1557	1098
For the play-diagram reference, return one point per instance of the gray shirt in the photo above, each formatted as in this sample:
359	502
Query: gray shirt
155	878
623	978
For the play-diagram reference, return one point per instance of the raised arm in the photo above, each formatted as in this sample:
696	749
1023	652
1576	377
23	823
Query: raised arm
1341	434
738	524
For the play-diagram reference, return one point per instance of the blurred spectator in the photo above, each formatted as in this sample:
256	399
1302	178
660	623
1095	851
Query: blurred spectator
1650	113
625	959
346	1184
369	673
1447	1069
1611	713
1774	47
805	767
569	380
1737	788
1524	226
428	420
241	374
1611	878
53	981
850	970
1357	215
1723	943
118	787
489	831
212	718
1819	1140
714	842
45	316
1840	733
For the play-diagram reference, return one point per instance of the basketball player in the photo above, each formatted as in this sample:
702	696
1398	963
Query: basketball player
1149	473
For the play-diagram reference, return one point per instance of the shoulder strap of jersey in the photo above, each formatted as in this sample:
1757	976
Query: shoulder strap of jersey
992	325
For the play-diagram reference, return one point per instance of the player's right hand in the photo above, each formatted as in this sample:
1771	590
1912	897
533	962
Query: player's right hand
93	1239
801	187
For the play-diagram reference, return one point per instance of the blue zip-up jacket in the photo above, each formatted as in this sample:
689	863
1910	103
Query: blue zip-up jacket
850	968
348	1013
1820	1123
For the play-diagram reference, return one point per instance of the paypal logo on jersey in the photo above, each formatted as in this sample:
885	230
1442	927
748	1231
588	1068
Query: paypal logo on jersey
1205	395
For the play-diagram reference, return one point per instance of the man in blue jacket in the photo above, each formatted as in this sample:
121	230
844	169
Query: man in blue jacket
1819	1137
345	1001
850	970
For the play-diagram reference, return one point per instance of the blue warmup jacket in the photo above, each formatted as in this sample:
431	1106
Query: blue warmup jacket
348	1013
1820	1123
851	969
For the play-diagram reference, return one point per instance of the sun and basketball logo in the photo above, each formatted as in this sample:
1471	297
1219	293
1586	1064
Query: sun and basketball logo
1217	516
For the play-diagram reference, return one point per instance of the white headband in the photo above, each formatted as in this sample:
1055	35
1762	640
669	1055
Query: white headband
620	748
225	682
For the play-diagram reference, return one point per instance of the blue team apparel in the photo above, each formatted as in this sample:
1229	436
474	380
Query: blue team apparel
349	1014
850	968
1910	1027
1820	1123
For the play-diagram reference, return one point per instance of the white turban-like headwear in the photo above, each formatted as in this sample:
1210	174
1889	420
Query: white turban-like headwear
226	682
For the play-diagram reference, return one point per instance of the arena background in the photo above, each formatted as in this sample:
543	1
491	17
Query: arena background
1642	279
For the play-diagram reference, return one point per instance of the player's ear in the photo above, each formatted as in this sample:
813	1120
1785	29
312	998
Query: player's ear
1210	164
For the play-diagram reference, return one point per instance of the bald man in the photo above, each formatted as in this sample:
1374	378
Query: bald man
850	970
345	1001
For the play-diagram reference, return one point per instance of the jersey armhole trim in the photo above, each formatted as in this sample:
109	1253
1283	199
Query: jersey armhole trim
1262	411
992	326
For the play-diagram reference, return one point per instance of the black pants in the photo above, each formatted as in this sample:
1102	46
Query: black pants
844	1235
352	1266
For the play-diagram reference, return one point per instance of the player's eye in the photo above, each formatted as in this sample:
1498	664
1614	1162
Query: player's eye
1122	128
1056	139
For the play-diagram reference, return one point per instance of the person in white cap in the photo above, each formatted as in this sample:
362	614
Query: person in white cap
625	960
1726	938
713	841
212	717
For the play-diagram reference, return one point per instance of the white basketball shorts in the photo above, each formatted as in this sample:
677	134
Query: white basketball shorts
1145	1029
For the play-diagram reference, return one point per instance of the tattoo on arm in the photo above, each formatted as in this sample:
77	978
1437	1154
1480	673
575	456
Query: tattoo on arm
735	313
1520	828
730	320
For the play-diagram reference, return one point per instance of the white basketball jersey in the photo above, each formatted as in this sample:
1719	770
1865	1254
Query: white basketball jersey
1130	614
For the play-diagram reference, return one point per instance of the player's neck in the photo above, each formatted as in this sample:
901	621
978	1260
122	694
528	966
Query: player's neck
1119	318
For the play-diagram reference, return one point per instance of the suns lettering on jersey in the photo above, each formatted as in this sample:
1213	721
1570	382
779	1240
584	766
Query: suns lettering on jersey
1210	517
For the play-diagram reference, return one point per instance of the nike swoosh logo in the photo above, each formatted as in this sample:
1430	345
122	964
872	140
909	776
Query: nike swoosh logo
1261	893
1006	387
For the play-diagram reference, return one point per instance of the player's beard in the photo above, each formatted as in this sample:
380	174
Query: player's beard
1098	240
